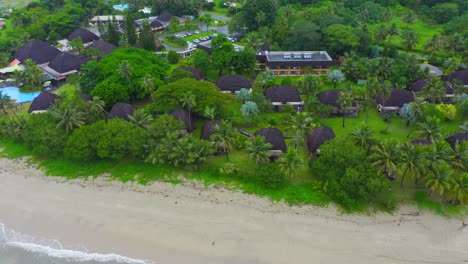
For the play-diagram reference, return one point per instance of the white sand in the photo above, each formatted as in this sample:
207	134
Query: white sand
190	224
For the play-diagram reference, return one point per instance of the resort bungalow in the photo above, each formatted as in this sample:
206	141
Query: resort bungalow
42	102
103	46
87	37
294	63
39	51
106	19
461	76
418	86
433	70
396	100
457	138
121	110
158	23
330	98
317	137
283	95
184	116
64	64
197	75
275	138
232	83
209	129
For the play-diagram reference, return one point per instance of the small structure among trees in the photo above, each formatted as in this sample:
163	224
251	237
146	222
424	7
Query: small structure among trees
42	102
330	98
461	76
317	137
232	83
64	64
283	95
184	116
396	100
121	110
197	75
86	36
39	52
208	129
103	46
276	138
419	85
457	138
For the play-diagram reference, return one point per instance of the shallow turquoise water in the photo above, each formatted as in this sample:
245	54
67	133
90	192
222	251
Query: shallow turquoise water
18	96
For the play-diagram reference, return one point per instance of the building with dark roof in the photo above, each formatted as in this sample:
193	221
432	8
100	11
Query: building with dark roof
121	110
275	137
396	100
418	86
39	51
64	64
85	35
283	95
457	138
42	102
103	46
165	16
197	75
185	117
461	76
209	128
232	83
287	63
330	97
433	70
317	137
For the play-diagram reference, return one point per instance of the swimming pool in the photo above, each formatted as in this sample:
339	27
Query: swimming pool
121	7
18	96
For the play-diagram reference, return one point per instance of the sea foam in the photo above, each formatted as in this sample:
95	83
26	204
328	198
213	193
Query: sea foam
54	249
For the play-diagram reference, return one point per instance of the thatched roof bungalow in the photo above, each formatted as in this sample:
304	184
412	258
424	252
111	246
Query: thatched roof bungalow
418	86
283	95
165	16
232	83
184	116
85	35
121	110
317	137
396	100
209	129
457	138
330	97
42	102
65	63
433	70
103	46
462	76
39	51
197	75
273	136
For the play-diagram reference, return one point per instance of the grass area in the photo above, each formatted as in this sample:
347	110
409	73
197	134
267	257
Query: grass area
20	110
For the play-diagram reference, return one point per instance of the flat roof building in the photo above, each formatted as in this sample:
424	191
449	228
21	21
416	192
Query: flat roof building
286	63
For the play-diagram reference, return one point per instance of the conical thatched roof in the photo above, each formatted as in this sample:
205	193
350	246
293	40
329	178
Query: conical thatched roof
274	137
398	97
232	83
65	62
85	35
103	46
329	97
42	102
417	86
198	75
156	24
165	16
457	137
459	75
421	142
265	47
39	51
317	137
184	116
121	110
86	97
208	129
283	94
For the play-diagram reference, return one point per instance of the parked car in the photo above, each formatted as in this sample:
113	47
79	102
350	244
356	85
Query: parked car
196	32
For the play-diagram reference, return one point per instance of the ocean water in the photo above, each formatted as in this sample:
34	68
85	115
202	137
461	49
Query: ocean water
20	97
18	248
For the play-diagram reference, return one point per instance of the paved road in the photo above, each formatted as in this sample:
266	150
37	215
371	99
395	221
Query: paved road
216	17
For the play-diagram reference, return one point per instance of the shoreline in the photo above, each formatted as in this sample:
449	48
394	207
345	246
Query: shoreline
188	223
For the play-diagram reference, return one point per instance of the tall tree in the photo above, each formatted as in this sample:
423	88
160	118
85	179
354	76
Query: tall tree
438	179
430	129
188	100
434	90
300	123
363	136
450	65
336	76
412	161
130	30
258	149
68	118
345	99
224	136
5	100
146	37
410	39
385	156
290	162
125	70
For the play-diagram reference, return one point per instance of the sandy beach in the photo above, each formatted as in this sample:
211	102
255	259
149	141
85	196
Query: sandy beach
187	223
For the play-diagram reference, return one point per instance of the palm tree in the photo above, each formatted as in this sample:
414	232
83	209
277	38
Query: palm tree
381	33
450	65
434	90
32	74
188	100
411	160
68	118
148	85
458	188
301	123
96	105
224	136
141	118
438	179
432	45
371	91
385	156
125	70
460	156
345	99
363	136
260	18
392	31
258	149
289	162
5	100
410	39
438	154
430	129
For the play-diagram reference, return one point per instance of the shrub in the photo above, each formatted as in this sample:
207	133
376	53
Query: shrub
43	137
431	110
173	57
269	176
449	110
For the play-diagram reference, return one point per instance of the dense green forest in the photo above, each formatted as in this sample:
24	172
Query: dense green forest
373	162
